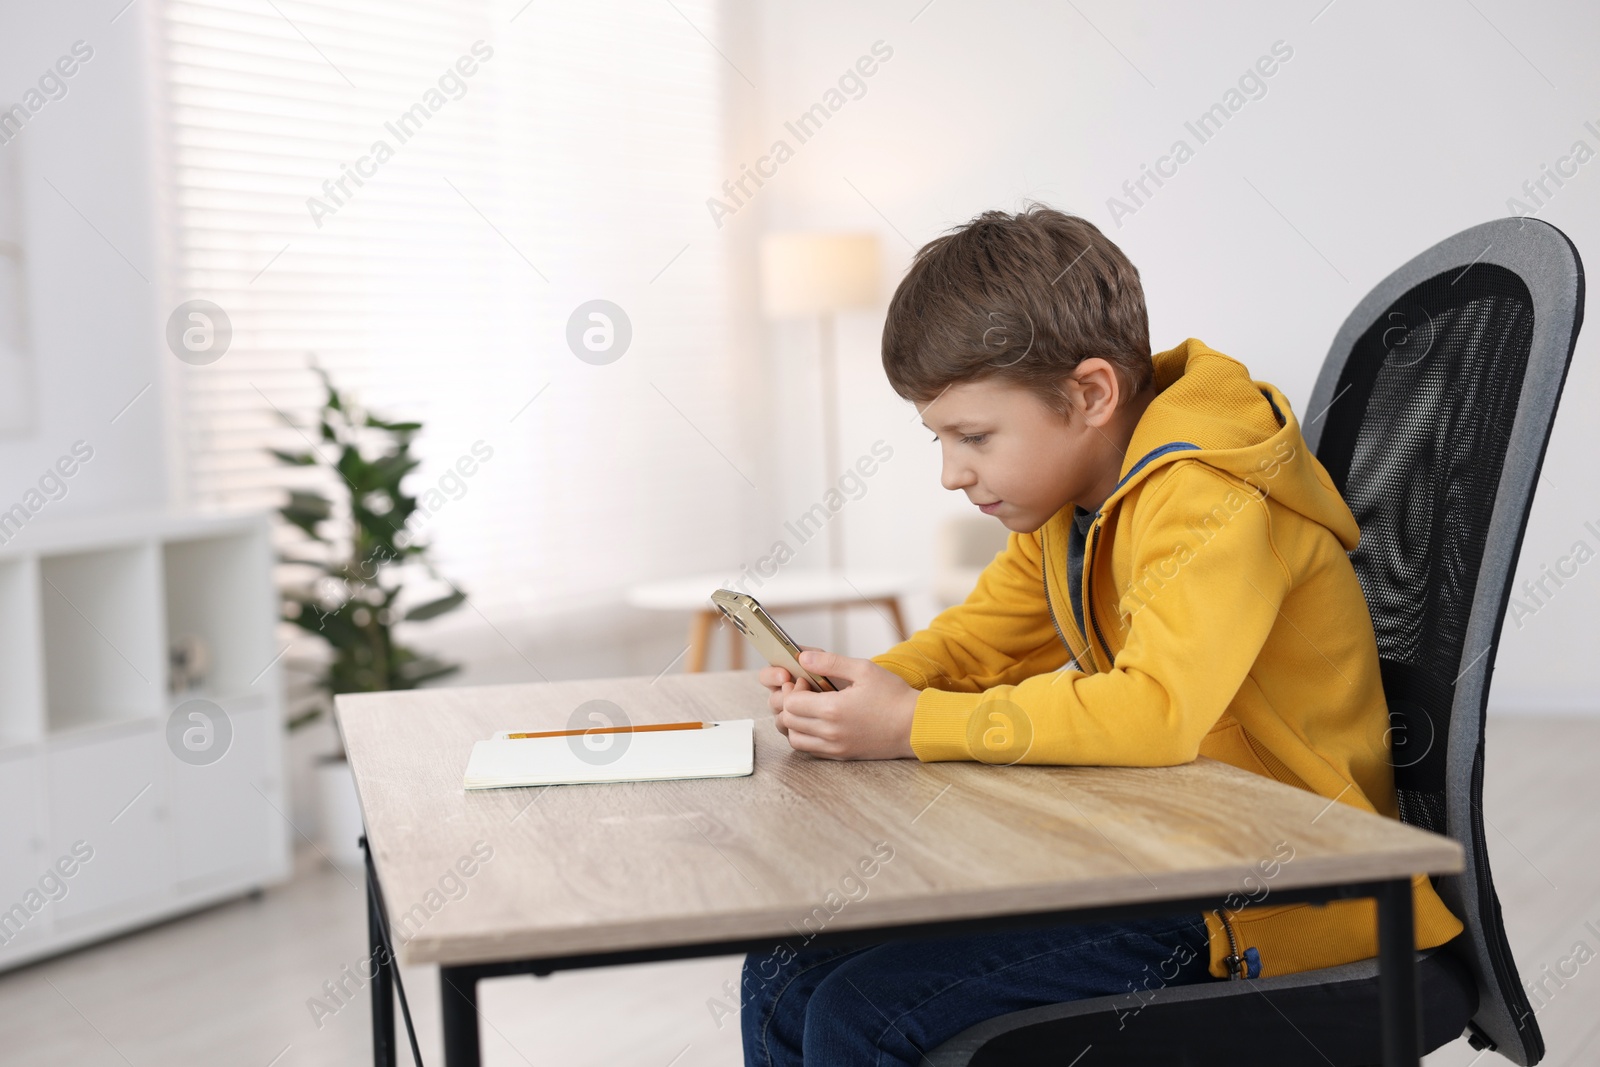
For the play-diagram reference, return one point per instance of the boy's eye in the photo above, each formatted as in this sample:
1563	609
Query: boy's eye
974	438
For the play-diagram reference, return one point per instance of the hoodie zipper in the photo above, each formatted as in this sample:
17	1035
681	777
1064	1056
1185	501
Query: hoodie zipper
1088	555
1088	600
1044	575
1233	961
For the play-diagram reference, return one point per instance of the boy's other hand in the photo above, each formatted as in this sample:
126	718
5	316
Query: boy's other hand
779	681
870	719
775	678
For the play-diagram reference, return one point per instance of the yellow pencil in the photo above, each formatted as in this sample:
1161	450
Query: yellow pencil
617	729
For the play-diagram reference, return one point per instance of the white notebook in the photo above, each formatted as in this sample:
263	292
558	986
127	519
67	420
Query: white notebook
726	749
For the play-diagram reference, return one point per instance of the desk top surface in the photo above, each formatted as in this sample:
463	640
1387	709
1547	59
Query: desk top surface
564	870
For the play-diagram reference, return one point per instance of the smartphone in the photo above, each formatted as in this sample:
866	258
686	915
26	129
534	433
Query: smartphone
751	619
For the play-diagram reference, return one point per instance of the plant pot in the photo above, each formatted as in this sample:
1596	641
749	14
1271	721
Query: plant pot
339	813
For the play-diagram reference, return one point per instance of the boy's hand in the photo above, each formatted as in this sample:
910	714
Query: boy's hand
870	719
775	678
778	681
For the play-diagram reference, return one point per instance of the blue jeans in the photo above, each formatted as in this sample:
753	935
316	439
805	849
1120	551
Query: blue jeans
889	1004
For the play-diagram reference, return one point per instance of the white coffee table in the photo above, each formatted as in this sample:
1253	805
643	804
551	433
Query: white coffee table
786	591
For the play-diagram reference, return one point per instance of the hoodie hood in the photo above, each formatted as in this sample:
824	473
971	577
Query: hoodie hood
1208	408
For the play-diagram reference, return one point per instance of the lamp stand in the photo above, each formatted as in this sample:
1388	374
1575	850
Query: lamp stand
830	464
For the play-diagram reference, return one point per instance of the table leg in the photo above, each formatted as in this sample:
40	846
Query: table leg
699	637
893	604
386	982
1400	1008
383	1047
458	1009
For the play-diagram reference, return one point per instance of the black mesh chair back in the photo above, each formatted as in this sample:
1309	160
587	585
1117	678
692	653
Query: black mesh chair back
1431	415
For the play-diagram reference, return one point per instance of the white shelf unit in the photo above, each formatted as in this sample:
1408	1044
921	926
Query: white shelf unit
102	649
88	610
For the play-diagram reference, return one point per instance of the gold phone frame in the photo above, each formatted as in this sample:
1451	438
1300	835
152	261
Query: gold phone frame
747	616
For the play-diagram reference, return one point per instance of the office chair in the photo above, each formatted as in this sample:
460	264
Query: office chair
1431	414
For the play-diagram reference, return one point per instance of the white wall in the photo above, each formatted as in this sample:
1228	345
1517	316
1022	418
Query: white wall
1389	129
83	169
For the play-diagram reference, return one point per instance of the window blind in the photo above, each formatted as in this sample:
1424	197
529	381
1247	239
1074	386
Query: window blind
417	194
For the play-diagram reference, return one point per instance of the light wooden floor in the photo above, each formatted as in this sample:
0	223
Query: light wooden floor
231	985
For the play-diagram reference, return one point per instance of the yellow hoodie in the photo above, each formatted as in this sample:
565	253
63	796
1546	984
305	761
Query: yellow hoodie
1224	619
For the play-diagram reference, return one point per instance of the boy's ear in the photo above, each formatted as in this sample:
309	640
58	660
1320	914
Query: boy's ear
1096	390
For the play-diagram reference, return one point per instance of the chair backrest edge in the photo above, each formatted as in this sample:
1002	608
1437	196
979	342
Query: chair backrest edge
1550	266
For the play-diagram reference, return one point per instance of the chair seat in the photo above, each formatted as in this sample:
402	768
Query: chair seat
1314	1017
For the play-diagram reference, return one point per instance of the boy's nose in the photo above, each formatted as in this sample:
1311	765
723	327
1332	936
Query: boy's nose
955	476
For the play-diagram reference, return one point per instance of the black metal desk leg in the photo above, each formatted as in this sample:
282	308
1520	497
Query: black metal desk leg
458	1007
1401	1008
383	1046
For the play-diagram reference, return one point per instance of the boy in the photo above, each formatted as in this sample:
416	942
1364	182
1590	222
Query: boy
1175	584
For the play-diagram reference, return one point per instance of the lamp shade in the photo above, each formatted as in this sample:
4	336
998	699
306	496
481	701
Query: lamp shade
818	273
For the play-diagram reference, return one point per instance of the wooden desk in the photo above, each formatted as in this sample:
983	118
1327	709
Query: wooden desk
590	875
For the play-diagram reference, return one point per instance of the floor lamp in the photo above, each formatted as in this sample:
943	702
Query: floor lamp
820	274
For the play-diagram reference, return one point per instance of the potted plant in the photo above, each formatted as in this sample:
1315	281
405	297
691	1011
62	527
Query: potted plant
350	569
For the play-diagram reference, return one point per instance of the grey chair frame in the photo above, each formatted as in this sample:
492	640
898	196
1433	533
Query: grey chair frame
1548	263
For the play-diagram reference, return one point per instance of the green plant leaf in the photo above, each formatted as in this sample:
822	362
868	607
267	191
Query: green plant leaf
306	509
436	607
393	427
313	620
305	718
358	471
365	656
334	401
390	469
